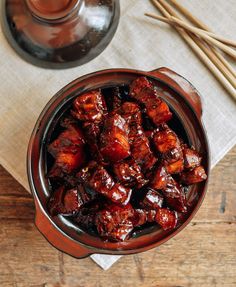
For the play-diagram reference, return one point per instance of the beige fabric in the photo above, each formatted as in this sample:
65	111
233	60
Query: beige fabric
139	43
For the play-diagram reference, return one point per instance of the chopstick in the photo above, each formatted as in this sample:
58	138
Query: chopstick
211	55
201	25
167	11
200	32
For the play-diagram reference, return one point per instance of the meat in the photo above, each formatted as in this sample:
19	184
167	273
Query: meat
89	107
142	216
174	196
116	167
166	140
69	201
168	144
138	85
131	113
68	151
191	158
195	175
144	92
141	151
166	218
160	178
152	200
129	173
103	183
114	222
114	141
69	141
133	117
92	132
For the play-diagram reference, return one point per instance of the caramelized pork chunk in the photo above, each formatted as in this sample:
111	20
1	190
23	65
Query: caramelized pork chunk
166	140
160	178
143	91
89	107
152	200
113	222
103	183
141	151
166	219
129	174
174	196
192	176
67	202
191	158
114	139
68	151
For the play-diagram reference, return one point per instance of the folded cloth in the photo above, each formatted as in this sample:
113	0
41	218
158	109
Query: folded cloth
139	43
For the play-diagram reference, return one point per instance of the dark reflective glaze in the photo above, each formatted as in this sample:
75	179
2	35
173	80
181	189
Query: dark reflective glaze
62	33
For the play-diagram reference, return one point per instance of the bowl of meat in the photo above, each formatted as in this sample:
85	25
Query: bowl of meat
118	162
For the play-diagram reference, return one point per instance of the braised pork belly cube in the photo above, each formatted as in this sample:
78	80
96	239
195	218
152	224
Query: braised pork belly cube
152	199
67	202
131	113
166	218
103	183
174	167
151	215
141	151
160	178
168	144
138	85
174	196
68	152
66	163
113	223
119	194
166	140
69	141
192	176
139	217
191	158
114	140
142	216
157	110
87	214
89	107
92	132
129	173
86	172
143	91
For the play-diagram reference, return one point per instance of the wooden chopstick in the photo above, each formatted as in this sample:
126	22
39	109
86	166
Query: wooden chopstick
211	55
201	25
225	83
211	52
192	29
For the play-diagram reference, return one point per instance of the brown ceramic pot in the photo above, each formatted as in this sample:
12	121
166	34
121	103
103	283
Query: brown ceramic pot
185	103
59	33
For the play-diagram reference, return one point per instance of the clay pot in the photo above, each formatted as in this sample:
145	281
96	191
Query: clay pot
184	102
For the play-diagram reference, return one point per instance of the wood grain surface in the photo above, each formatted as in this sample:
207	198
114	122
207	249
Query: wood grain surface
203	254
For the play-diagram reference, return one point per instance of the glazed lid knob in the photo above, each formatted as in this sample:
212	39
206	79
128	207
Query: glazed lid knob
51	9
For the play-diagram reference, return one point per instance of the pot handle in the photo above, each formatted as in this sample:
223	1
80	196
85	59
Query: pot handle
181	85
57	238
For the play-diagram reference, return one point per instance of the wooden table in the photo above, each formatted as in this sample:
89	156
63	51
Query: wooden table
203	254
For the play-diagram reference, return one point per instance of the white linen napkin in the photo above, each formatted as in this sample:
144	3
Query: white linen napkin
139	43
